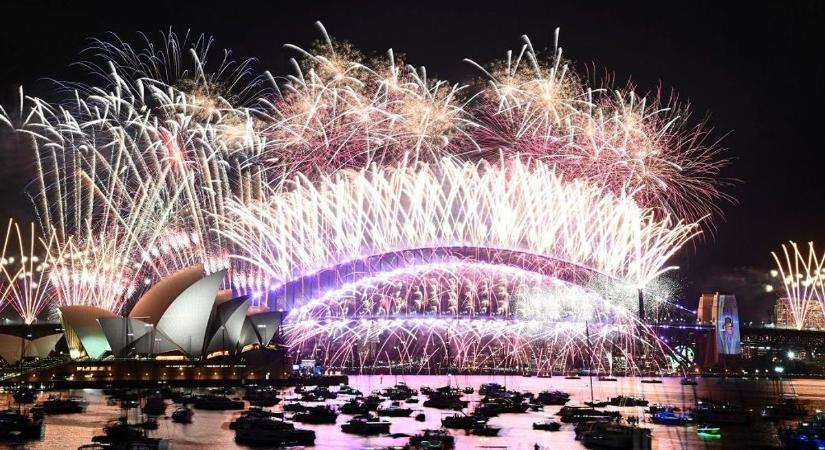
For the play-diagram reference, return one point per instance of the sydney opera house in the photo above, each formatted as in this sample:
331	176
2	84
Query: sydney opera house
183	328
185	315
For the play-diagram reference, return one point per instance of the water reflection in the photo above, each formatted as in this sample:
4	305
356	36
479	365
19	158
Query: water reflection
209	429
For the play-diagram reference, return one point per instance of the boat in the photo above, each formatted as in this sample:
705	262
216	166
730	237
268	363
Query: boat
535	407
445	401
572	377
24	395
148	424
372	402
656	407
607	378
18	425
598	404
119	434
425	390
316	415
484	430
504	406
182	415
490	388
420	417
807	434
400	392
468	390
688	381
544	375
547	425
552	398
652	380
64	405
365	426
272	433
787	407
615	435
668	417
708	431
719	412
297	407
573	414
463	421
622	400
154	406
254	413
352	407
411	400
433	439
394	411
214	402
261	397
348	390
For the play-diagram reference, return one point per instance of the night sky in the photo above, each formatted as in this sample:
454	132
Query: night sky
756	72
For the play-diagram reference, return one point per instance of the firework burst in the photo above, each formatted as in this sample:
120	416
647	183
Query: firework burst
802	272
171	160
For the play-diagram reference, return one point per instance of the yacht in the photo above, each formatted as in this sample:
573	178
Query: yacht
547	425
787	407
490	388
552	398
24	394
719	412
253	414
463	421
622	400
154	406
688	381
439	439
261	397
394	411
353	407
614	435
348	390
504	406
573	414
64	405
295	407
182	415
272	432
668	417
445	401
365	425
18	425
316	415
215	402
484	430
119	434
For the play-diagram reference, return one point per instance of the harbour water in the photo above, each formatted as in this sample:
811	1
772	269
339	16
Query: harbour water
210	430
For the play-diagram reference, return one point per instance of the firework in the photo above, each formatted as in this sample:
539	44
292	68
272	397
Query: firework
429	204
519	206
609	137
24	283
802	273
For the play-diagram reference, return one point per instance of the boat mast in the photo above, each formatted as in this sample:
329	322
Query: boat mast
589	363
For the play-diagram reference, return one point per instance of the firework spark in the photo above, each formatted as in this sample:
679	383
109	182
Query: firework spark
802	273
168	161
24	283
